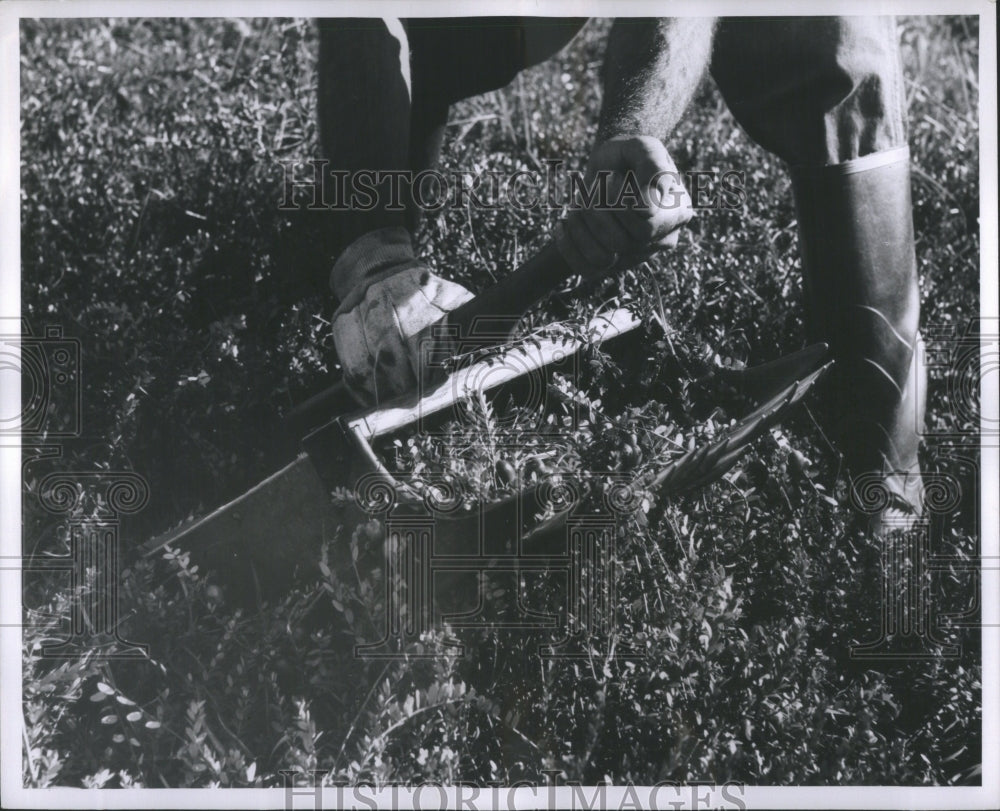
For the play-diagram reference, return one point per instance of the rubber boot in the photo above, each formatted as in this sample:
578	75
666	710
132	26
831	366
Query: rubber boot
862	298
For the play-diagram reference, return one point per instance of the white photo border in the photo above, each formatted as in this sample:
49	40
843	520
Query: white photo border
14	795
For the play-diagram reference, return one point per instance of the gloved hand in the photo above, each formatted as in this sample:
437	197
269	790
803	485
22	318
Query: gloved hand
597	241
389	303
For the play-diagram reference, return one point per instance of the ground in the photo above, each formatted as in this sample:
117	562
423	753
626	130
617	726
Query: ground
151	168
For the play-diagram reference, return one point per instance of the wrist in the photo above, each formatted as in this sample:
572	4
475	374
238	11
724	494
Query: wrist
373	256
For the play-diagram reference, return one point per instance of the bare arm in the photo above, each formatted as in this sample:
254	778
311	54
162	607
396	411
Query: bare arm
651	70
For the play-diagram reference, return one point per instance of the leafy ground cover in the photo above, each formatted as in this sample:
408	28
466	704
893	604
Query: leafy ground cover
151	175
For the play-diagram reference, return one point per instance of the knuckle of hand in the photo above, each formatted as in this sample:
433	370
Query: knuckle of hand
649	148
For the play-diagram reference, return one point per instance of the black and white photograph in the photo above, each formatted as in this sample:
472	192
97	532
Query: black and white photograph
419	404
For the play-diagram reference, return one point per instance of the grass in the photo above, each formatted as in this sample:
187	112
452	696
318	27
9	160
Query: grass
151	177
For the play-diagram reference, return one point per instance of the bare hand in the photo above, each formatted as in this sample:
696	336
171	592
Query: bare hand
645	205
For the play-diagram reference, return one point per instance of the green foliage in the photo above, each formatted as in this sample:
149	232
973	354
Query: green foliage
151	231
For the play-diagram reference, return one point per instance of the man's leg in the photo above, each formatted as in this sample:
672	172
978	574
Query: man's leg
826	96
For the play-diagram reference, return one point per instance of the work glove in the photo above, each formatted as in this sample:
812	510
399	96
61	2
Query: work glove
389	303
597	240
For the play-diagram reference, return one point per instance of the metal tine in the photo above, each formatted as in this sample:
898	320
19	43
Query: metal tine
706	463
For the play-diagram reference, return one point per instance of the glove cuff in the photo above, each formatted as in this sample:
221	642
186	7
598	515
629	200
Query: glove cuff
366	259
